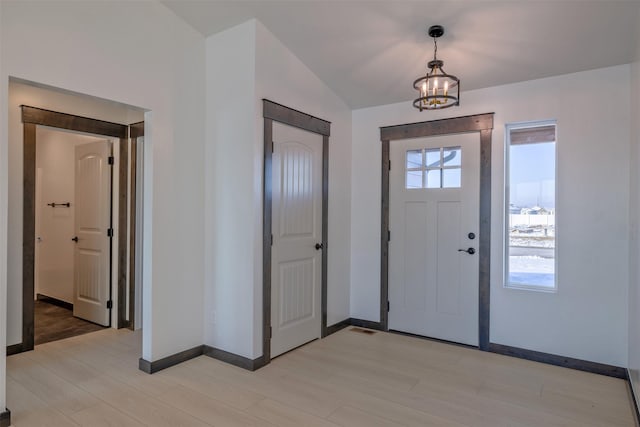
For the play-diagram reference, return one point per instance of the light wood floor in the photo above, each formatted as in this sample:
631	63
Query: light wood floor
347	379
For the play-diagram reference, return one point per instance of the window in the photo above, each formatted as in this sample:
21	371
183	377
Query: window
434	168
531	206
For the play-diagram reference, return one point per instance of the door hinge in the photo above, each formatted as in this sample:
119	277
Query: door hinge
110	232
272	240
388	305
109	304
388	235
272	146
389	164
111	160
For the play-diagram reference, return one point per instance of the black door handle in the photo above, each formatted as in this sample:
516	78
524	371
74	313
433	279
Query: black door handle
319	246
75	239
470	251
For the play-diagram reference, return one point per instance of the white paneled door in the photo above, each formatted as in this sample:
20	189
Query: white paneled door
433	251
296	254
92	222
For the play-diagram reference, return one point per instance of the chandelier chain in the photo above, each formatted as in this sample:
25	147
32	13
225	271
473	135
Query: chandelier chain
435	47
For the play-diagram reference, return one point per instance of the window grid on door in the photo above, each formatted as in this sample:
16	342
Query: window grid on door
433	168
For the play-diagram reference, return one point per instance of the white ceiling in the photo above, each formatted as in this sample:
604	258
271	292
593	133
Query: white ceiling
369	52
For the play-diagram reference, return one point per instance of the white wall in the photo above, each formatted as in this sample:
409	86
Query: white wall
138	53
230	192
55	183
244	65
634	216
4	187
587	317
634	246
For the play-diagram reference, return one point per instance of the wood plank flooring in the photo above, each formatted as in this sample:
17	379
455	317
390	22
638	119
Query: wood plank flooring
54	323
347	379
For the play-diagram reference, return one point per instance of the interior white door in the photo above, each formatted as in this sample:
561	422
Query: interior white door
434	206
296	273
92	222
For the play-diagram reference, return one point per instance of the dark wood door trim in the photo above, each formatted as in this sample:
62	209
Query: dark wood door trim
54	119
325	231
482	123
384	237
279	113
123	243
474	123
295	118
28	236
484	239
267	205
31	118
136	130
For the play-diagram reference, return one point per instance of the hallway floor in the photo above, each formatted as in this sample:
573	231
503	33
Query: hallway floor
347	379
54	323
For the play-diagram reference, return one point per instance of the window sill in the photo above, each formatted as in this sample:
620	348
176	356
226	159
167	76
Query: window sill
542	289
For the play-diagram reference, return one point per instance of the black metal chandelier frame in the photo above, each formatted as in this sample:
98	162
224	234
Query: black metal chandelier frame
433	95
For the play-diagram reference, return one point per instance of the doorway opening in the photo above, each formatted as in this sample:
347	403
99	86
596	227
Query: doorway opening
73	203
433	181
81	240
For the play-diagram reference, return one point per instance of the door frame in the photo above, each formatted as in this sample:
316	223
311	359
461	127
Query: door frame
483	124
136	130
271	112
32	117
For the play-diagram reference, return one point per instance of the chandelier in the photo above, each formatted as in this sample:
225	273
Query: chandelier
437	89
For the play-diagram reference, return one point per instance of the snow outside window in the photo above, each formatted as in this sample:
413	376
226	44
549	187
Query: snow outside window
530	191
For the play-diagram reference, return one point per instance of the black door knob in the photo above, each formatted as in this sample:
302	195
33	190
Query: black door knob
75	239
470	251
319	246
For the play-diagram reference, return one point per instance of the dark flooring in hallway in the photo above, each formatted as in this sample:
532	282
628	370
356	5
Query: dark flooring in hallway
54	323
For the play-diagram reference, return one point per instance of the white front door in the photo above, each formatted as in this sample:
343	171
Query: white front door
434	206
92	223
296	273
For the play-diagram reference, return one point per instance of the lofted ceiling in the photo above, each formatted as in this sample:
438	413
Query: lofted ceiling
369	52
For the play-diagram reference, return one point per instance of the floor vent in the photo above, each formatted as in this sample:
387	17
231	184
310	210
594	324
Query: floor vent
363	331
